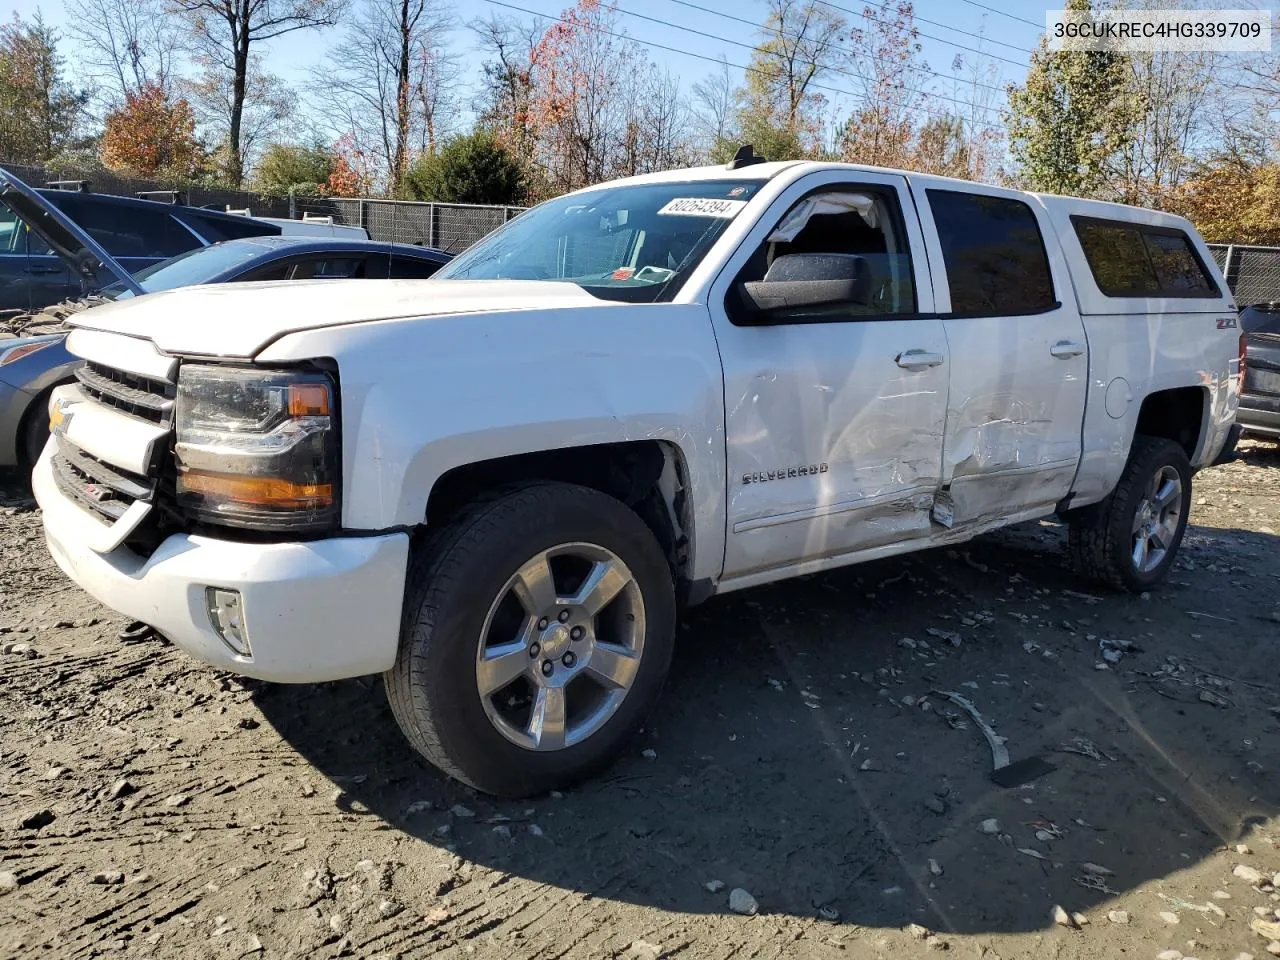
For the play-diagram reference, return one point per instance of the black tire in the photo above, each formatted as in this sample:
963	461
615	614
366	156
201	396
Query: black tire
1100	541
456	574
35	430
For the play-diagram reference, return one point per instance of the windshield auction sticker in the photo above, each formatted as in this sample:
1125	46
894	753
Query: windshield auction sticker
1132	31
703	207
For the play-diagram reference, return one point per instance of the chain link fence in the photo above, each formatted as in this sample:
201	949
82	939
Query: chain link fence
447	226
1252	272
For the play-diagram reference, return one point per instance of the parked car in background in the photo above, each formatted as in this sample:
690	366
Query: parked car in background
313	226
30	367
136	233
1259	414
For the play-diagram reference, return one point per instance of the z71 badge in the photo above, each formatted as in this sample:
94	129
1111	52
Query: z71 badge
782	473
1226	323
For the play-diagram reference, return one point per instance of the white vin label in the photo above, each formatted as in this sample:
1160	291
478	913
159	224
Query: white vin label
703	207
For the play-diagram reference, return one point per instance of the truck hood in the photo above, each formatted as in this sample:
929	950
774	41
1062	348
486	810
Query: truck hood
240	319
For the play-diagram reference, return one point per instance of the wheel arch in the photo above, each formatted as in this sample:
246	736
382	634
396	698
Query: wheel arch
1180	414
649	476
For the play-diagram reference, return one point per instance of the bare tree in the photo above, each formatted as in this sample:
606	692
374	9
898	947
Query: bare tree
126	45
714	115
506	104
1173	91
266	104
779	108
394	80
226	31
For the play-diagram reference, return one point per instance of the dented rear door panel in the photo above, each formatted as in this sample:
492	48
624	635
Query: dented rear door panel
1017	383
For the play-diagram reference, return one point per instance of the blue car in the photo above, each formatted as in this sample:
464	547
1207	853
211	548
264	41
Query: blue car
32	365
137	234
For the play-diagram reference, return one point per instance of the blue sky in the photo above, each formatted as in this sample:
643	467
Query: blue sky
706	33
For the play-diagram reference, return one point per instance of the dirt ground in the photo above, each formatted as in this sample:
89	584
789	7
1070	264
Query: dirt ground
151	807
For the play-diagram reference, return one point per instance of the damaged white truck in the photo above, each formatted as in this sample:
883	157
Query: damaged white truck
497	487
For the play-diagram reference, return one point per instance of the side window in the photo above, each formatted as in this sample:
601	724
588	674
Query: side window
837	254
331	268
274	271
17	240
411	268
230	227
1117	257
994	254
125	230
1133	260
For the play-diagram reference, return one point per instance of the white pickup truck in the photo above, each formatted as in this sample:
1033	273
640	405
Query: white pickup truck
497	487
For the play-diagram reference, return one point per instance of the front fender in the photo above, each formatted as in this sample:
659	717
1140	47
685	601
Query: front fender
422	397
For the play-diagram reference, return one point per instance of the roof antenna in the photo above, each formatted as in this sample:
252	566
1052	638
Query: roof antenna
745	157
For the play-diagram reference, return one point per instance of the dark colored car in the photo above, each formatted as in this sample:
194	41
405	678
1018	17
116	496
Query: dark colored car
137	233
31	366
1259	414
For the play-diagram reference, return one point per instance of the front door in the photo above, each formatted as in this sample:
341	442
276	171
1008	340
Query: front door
1017	350
834	414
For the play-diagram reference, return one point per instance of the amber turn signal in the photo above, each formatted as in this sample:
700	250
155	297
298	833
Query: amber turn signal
259	491
309	400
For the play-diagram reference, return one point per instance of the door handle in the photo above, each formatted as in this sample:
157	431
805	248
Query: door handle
918	359
44	269
1065	349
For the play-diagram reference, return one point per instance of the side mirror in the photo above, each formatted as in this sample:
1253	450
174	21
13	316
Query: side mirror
797	281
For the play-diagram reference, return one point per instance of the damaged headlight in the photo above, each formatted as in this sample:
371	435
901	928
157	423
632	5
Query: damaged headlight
258	448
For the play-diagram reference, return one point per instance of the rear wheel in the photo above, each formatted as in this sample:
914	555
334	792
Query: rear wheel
1130	539
538	629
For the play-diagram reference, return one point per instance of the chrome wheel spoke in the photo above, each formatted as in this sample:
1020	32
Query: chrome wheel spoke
534	586
1168	493
501	665
605	581
613	666
1140	553
547	721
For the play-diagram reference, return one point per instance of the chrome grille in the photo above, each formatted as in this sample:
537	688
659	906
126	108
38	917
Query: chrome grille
138	396
101	489
127	392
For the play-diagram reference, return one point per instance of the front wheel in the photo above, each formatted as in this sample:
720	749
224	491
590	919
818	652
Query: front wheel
538	629
1130	539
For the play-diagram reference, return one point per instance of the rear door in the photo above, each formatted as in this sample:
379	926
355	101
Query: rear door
31	275
833	416
1018	357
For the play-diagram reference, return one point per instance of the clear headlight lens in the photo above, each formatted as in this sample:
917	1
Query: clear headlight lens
257	448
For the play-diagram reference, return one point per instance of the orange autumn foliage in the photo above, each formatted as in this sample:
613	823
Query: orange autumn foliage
153	135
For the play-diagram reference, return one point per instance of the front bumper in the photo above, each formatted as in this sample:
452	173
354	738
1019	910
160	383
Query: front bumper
313	611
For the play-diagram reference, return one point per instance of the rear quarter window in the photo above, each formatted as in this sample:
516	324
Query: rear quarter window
1134	260
215	229
126	229
994	254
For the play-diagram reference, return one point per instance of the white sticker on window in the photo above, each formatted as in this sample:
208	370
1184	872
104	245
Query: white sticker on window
703	207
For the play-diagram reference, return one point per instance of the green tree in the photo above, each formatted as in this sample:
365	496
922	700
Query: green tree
779	109
1071	118
285	167
474	168
39	109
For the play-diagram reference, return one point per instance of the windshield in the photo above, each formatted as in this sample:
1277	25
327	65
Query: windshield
636	243
200	265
